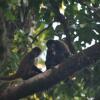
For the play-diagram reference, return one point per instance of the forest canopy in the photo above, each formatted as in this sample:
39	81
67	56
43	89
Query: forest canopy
25	24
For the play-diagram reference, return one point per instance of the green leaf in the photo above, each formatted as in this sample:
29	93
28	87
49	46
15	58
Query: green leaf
10	16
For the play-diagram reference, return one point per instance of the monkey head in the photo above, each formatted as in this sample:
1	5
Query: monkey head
57	51
51	45
36	51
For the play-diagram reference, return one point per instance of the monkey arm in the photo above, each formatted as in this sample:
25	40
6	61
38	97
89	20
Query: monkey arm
35	69
50	59
31	73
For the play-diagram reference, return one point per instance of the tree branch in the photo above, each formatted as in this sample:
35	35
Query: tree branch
35	37
53	76
64	22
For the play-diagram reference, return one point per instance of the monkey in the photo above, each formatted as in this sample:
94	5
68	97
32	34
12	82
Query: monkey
57	51
27	68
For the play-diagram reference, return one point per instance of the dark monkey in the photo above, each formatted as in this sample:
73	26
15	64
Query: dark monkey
26	68
57	51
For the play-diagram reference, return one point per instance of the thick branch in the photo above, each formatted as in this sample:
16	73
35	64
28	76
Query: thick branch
53	76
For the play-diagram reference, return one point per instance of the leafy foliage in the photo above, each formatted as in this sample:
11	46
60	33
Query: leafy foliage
24	20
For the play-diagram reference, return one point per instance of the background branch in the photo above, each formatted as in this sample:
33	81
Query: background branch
64	22
35	37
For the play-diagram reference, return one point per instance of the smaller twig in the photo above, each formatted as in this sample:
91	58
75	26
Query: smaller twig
35	37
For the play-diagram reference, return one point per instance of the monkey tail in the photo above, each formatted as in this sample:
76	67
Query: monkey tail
8	78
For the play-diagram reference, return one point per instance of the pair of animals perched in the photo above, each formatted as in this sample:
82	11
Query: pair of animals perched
57	51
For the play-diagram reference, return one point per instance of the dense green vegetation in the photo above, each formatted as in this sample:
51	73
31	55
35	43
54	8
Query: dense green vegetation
28	23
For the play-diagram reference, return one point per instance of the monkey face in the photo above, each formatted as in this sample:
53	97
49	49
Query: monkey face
36	51
56	53
50	43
